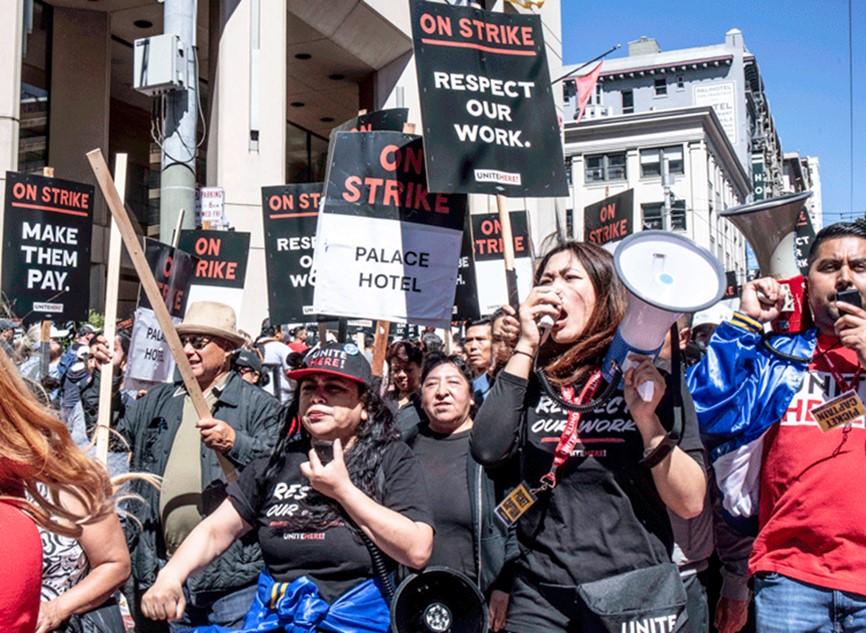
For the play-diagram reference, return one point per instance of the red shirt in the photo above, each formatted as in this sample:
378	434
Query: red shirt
21	571
813	497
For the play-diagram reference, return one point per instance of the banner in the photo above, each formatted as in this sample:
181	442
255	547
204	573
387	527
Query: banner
805	237
173	272
386	248
290	215
221	268
149	357
610	220
490	125
466	292
46	247
489	259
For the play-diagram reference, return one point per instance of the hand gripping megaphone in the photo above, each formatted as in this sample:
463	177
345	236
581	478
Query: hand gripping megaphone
770	228
666	274
438	600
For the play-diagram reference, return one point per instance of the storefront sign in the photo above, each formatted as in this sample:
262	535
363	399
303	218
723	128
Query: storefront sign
489	120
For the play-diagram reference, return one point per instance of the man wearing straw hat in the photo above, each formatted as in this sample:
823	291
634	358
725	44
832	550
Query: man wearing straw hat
165	434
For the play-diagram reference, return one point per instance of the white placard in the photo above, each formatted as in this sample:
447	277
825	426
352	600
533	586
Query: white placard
149	356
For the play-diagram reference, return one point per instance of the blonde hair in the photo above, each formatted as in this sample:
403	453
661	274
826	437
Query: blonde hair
36	447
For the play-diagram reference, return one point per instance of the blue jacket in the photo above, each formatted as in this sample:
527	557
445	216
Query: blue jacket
740	390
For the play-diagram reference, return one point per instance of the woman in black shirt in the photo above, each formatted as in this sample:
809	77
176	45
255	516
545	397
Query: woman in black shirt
307	510
605	512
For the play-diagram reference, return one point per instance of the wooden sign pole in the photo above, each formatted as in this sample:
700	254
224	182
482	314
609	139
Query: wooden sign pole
157	303
115	247
45	331
508	252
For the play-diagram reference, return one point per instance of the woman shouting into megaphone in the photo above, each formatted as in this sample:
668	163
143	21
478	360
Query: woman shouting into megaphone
598	473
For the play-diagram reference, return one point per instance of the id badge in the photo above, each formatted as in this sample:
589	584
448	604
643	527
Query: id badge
515	504
839	411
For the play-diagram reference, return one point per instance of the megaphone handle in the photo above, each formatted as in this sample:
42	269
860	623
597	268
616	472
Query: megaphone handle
646	389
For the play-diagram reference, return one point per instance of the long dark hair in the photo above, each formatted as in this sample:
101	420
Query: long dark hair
567	364
363	459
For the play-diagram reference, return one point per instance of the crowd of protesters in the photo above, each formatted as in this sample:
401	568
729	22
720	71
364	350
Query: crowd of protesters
315	485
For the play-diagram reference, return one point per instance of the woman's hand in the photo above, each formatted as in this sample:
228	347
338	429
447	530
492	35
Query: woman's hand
332	479
51	616
540	301
643	412
164	601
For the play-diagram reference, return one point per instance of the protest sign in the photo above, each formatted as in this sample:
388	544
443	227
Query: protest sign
290	215
149	357
466	292
386	248
173	272
46	247
488	253
803	241
490	125
732	288
610	220
222	265
210	207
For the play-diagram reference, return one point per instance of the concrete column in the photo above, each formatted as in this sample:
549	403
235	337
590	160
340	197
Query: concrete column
698	200
11	26
78	121
234	162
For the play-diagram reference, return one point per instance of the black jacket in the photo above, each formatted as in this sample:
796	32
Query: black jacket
150	426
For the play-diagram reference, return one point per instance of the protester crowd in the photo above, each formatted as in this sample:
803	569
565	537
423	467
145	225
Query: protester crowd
315	486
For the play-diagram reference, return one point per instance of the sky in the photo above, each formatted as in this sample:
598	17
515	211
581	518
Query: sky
802	50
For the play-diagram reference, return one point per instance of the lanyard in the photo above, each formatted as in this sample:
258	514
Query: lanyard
837	375
568	439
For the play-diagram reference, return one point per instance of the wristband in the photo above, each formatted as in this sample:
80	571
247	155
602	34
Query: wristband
520	351
652	457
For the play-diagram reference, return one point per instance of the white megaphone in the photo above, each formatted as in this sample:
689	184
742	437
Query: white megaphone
666	275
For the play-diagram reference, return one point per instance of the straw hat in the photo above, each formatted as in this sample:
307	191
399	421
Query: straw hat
211	318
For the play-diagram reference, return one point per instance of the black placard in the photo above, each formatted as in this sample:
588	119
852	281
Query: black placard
382	175
466	291
732	288
290	213
222	256
805	237
391	120
173	271
46	247
487	236
489	119
610	220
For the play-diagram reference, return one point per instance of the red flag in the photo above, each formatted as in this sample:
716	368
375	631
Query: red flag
585	86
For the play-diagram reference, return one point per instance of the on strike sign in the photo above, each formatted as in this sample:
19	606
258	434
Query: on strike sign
609	220
386	248
221	268
46	250
290	216
489	121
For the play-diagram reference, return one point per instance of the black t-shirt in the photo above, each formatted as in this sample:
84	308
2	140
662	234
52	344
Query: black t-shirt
605	515
444	461
333	558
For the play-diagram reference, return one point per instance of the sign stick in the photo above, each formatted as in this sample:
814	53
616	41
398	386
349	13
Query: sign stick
157	303
508	252
175	238
115	247
380	342
45	331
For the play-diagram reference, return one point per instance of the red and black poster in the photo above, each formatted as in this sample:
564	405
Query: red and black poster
46	247
610	220
732	288
221	268
489	120
490	260
290	215
386	247
173	271
803	241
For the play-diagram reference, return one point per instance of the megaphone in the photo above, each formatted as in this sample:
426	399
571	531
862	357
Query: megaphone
438	600
666	274
770	228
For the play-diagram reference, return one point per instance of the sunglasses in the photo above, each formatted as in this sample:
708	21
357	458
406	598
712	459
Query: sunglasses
198	343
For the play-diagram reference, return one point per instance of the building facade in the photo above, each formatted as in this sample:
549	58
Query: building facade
274	77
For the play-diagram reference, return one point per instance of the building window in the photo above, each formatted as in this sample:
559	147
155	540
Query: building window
603	167
568	161
651	161
652	215
627	101
681	83
661	86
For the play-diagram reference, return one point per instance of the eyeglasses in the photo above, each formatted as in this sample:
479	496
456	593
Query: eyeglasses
198	343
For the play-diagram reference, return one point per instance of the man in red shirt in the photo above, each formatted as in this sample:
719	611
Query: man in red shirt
809	557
